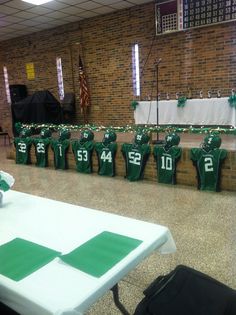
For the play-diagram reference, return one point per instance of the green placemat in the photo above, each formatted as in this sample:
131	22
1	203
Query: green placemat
19	258
101	253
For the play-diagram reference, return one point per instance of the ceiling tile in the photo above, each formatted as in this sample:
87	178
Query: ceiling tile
55	5
57	22
45	26
71	2
88	14
29	23
56	15
103	10
71	10
25	15
7	10
137	2
18	17
12	19
71	18
4	23
106	2
19	26
121	5
21	5
89	5
39	10
42	19
5	30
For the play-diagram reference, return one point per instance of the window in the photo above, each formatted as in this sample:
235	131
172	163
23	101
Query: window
5	74
60	79
135	68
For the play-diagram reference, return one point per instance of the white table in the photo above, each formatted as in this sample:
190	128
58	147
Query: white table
58	288
214	111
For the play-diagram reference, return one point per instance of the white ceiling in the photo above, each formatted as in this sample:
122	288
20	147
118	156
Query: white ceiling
18	18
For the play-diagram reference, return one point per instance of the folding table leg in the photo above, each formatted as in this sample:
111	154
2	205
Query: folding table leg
117	302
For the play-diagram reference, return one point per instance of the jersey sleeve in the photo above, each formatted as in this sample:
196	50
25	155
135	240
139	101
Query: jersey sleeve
114	147
53	143
178	152
155	151
97	146
29	141
90	145
67	143
194	153
123	148
223	154
146	149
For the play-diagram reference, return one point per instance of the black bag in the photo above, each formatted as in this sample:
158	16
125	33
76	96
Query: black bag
5	310
185	291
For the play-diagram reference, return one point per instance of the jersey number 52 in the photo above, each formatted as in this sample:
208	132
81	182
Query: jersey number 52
134	158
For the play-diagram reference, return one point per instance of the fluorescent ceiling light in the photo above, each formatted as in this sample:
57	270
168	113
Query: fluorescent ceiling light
37	2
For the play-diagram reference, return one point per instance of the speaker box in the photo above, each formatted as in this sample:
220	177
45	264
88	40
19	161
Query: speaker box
68	103
18	92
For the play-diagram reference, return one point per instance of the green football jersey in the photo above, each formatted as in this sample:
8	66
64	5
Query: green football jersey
41	151
60	149
136	157
106	158
23	146
208	165
83	156
166	160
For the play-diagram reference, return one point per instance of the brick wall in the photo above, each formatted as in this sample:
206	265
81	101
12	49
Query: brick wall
202	58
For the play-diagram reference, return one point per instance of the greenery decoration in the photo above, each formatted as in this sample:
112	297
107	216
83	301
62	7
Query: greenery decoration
232	100
135	128
134	104
18	127
181	101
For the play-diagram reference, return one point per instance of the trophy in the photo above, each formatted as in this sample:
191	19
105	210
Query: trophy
189	93
218	94
209	94
201	94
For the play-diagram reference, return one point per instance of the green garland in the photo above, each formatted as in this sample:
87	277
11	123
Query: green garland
181	101
134	128
134	104
232	100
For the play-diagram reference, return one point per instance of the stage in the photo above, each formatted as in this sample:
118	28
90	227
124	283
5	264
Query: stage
186	172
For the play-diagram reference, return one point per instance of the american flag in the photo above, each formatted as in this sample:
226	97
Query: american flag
84	93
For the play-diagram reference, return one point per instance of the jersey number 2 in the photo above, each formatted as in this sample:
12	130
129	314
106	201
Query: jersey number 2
208	164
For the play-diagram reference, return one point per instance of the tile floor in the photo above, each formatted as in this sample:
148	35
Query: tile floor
203	224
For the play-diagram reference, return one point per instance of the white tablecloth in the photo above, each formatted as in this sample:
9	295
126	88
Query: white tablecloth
214	111
57	288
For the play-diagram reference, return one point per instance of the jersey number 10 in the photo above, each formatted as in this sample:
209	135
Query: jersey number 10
166	163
